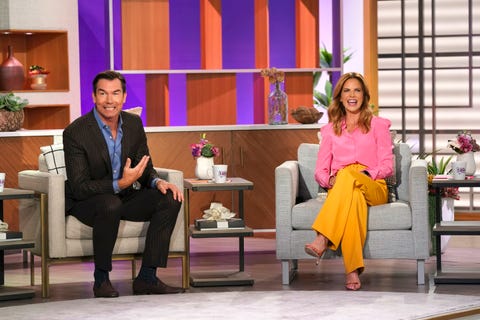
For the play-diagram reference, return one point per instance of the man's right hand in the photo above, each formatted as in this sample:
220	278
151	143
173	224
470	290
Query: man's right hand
130	175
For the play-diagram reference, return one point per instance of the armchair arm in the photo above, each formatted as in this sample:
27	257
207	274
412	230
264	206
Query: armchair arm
286	190
418	194
29	218
178	238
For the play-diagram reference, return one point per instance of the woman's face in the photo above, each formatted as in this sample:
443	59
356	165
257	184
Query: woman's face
352	96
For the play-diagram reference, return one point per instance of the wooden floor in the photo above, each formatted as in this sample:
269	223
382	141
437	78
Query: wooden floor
74	281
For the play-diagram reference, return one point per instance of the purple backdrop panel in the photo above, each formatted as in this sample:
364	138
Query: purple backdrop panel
177	85
282	33
93	43
185	34
136	93
244	98
238	34
117	34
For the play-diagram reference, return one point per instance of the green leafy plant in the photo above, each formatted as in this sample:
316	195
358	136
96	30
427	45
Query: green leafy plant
11	102
437	168
325	98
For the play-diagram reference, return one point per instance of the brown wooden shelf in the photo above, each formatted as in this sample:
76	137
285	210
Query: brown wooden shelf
46	48
37	117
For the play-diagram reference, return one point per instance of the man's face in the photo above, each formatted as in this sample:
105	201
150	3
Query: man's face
109	99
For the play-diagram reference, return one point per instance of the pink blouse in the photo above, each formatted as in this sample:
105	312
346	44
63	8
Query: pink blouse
372	149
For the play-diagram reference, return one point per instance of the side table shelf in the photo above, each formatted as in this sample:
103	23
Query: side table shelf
459	228
10	293
221	277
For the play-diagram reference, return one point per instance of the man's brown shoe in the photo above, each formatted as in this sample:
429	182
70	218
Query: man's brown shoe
143	287
105	290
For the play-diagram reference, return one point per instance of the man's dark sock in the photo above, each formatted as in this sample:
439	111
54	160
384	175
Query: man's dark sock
100	277
148	274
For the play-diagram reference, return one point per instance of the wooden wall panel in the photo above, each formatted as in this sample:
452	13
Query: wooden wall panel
38	117
172	150
307	33
211	34
211	99
145	34
17	154
157	100
370	47
262	47
299	87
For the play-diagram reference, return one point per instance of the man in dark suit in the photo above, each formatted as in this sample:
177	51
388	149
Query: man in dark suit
110	178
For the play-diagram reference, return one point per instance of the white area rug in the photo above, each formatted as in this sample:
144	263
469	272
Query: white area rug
252	305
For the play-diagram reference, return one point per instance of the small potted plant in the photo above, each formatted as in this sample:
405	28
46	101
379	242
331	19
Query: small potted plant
38	77
11	112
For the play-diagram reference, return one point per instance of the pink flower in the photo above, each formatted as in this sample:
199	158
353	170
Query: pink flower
204	148
464	143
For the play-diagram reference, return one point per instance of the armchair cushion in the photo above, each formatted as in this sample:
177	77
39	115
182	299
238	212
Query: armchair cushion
55	159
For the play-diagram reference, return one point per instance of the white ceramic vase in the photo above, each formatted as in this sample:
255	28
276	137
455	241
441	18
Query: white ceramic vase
448	214
204	168
469	158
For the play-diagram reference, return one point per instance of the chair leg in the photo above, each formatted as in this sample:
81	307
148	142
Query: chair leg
288	273
420	272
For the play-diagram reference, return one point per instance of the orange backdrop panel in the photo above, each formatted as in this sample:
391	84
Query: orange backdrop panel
146	40
262	48
307	50
157	100
297	86
211	99
211	34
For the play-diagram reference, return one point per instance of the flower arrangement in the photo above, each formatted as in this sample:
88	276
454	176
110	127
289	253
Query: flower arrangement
204	148
464	143
35	69
274	75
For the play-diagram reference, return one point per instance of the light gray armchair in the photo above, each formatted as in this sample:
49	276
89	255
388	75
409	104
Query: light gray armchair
60	239
396	230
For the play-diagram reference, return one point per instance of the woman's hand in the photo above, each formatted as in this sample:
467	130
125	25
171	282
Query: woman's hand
332	180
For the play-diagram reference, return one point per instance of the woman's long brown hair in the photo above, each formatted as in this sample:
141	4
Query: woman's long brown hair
336	109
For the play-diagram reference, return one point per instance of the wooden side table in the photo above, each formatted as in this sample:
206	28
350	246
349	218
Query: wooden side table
10	293
452	228
220	278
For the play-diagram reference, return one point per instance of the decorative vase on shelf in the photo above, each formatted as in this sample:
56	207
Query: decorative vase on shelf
469	158
38	81
277	106
12	76
204	168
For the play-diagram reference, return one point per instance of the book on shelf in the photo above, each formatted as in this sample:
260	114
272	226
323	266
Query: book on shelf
10	235
232	223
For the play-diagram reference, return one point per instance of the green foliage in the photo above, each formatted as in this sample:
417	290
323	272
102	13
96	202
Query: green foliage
11	102
326	57
434	167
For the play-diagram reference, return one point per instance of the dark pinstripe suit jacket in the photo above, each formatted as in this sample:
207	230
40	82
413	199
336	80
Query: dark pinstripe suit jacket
89	169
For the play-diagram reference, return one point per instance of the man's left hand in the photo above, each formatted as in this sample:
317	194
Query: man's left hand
163	186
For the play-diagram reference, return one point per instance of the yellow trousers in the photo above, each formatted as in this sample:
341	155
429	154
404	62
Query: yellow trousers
343	217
